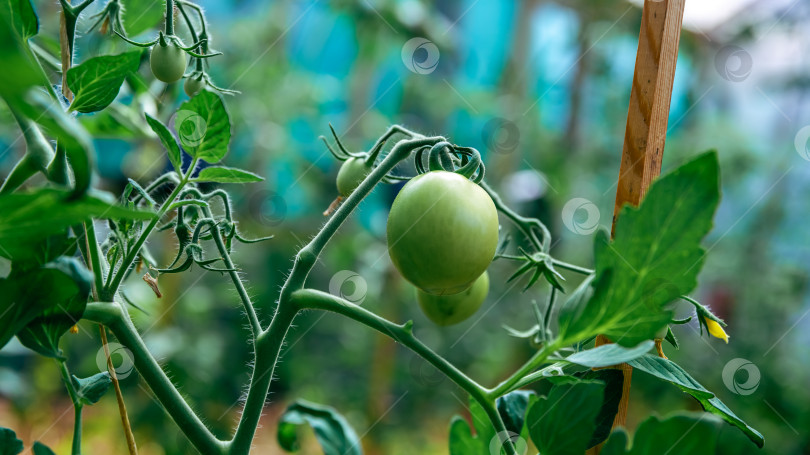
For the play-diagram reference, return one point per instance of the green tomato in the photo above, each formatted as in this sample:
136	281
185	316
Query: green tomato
351	174
168	62
193	86
442	232
451	309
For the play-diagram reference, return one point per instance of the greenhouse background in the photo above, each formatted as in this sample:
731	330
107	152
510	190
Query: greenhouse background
541	88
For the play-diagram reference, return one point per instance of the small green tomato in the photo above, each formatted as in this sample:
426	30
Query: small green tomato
442	232
351	174
193	86
451	309
168	62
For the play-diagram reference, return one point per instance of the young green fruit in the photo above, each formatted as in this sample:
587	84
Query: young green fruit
442	232
451	309
168	62
352	172
193	86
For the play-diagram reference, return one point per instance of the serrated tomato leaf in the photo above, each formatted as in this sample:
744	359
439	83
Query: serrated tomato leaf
563	422
203	127
331	429
654	257
96	81
9	444
670	371
222	174
168	141
680	434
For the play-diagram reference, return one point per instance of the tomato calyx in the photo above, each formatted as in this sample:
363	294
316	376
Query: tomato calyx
444	156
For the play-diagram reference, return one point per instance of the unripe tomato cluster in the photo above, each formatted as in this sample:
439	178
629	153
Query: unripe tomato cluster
442	235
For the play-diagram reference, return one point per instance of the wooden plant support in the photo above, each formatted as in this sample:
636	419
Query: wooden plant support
646	129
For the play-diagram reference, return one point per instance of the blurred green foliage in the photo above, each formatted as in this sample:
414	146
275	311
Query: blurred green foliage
560	74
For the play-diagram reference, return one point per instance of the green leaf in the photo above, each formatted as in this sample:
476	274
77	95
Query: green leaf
42	334
562	423
614	384
670	371
333	432
168	141
681	434
485	441
222	174
96	81
30	217
90	390
654	258
9	444
512	408
609	354
21	17
203	127
41	449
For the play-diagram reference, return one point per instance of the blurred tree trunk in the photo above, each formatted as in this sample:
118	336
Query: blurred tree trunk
571	137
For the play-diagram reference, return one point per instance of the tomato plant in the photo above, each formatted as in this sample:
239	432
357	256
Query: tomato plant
443	233
451	309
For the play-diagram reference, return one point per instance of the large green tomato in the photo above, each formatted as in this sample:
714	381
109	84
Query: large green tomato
352	172
168	62
442	232
451	309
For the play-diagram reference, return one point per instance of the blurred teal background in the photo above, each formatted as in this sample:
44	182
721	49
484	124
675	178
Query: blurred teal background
541	88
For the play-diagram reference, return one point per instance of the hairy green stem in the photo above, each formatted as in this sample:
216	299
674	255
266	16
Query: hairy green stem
403	333
76	447
268	348
255	325
526	225
126	263
510	383
114	317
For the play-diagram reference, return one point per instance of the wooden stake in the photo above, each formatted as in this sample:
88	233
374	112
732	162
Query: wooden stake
646	129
